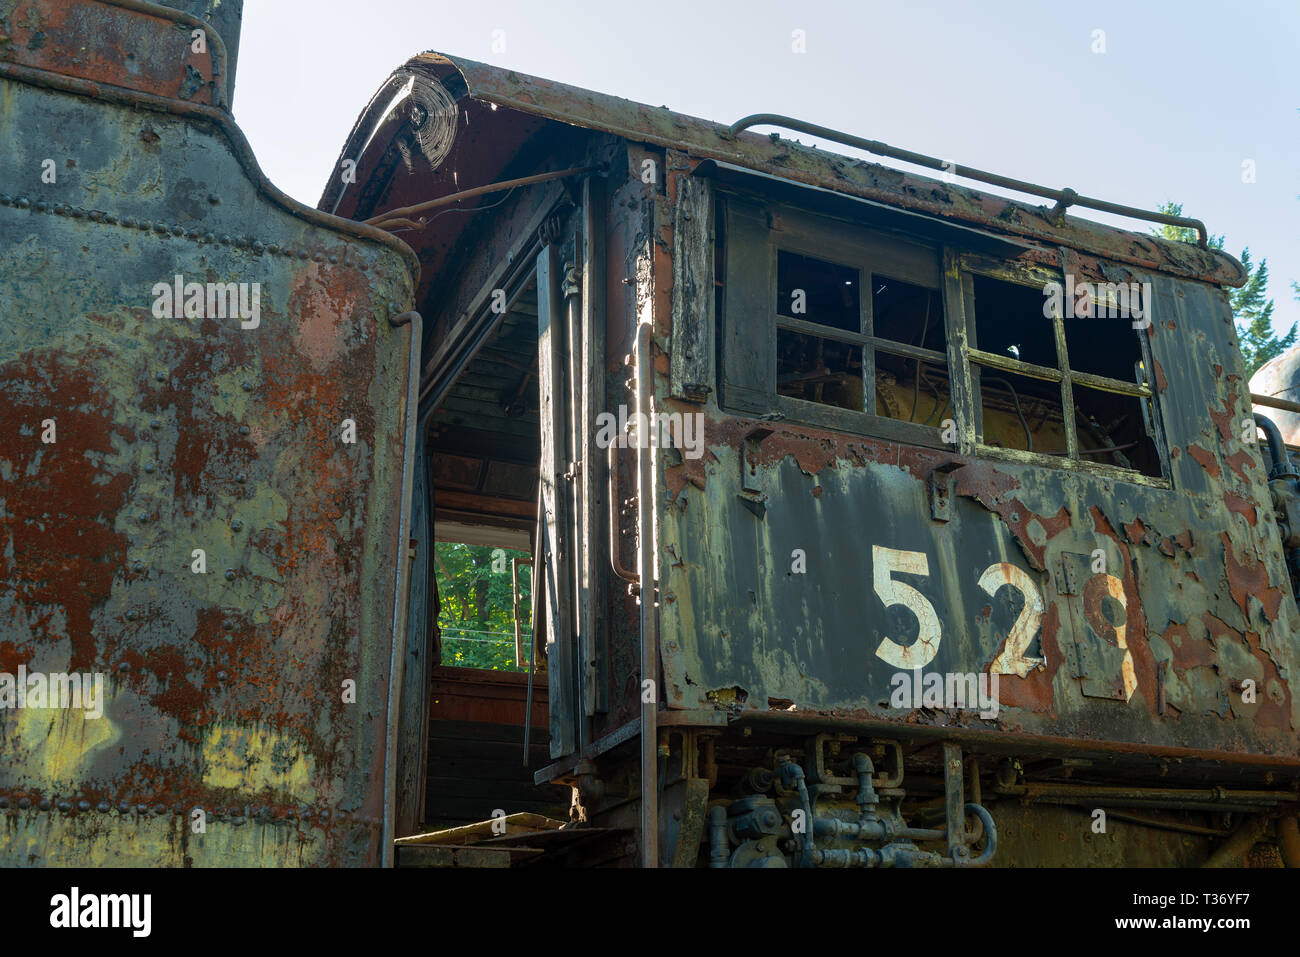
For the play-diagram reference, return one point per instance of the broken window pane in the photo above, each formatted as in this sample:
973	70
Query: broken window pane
817	291
1116	430
1105	347
819	370
1009	321
912	390
1020	412
907	313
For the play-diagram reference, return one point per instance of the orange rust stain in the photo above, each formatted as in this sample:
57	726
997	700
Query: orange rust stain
1239	461
1102	524
1250	578
1188	651
1135	530
1034	691
1161	382
1205	458
58	515
1240	505
1223	420
1272	712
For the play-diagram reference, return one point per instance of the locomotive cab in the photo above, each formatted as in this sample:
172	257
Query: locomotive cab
944	522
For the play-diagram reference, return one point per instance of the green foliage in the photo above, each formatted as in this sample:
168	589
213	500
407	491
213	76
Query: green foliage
475	597
1252	312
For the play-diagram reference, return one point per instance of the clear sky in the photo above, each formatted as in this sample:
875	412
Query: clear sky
1184	94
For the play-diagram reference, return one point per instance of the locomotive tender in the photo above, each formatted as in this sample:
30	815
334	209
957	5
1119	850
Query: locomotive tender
942	534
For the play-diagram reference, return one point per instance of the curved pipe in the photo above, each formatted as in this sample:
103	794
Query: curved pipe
990	837
1065	198
615	559
1281	465
405	212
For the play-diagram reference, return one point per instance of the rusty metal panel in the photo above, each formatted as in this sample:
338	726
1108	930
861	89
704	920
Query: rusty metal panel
226	690
774	595
142	47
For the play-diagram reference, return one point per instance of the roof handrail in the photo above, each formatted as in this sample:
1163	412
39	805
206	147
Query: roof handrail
1065	198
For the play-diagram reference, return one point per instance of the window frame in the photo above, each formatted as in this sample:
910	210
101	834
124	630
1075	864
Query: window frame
969	265
761	229
872	253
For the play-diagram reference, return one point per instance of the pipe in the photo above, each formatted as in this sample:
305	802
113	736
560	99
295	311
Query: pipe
1273	402
406	212
990	838
1065	198
1173	797
1233	851
792	774
1281	465
649	630
719	847
867	799
615	559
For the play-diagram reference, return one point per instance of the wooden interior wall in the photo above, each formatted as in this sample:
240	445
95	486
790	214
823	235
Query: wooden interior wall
476	734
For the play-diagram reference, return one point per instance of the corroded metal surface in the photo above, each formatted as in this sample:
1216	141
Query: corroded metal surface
229	690
528	96
1156	655
139	46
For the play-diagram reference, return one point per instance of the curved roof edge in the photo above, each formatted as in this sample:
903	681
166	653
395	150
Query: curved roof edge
774	155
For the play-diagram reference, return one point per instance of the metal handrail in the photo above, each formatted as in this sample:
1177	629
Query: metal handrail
1065	198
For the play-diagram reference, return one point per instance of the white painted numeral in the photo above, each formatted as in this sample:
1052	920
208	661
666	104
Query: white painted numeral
1012	660
884	562
1114	588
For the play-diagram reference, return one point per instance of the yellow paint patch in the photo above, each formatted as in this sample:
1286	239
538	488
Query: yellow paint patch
254	759
57	746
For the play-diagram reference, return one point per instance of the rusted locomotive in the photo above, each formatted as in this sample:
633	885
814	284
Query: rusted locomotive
876	521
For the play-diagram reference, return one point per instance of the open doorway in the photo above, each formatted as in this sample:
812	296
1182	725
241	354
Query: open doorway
488	676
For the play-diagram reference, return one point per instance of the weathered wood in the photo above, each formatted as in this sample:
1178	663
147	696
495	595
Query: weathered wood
592	476
691	363
572	298
749	303
958	298
552	468
475	731
413	714
433	855
512	824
